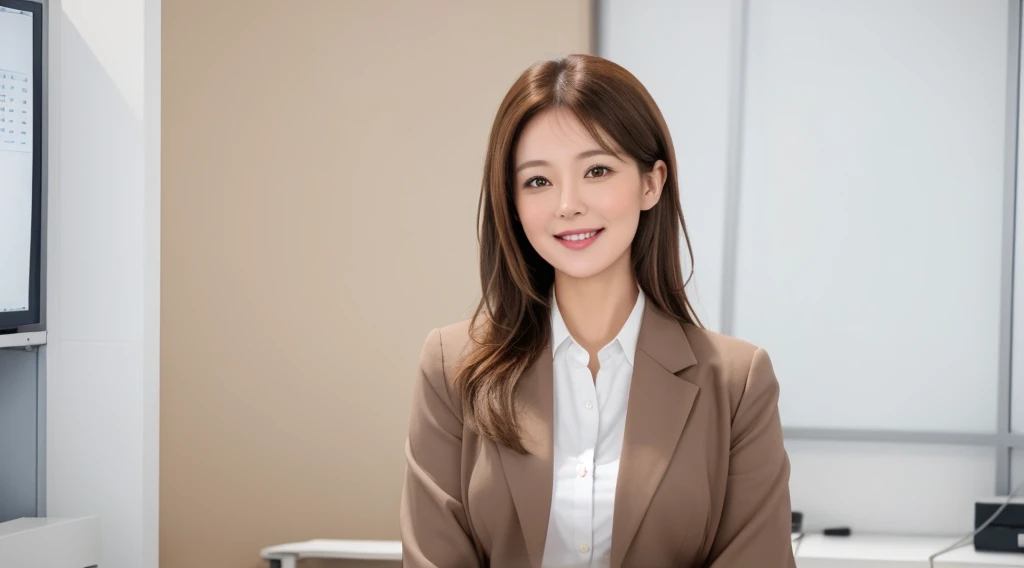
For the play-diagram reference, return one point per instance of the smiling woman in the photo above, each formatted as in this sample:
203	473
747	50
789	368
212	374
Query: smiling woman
584	396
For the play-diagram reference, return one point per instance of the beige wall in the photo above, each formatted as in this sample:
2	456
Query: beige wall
321	165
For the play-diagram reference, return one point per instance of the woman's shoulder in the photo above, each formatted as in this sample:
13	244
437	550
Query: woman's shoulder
735	372
712	346
452	343
443	350
725	359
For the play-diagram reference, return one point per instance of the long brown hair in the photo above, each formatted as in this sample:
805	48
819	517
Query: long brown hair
510	328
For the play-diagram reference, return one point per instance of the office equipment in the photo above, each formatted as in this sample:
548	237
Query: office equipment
1006	531
50	543
22	138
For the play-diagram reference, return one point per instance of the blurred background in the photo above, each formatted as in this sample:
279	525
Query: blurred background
258	210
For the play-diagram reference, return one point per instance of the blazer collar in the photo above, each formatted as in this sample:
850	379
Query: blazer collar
659	404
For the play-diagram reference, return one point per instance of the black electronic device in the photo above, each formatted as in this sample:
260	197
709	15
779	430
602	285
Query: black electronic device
1006	531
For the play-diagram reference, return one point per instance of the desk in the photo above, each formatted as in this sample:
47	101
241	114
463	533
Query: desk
50	542
288	555
811	551
885	551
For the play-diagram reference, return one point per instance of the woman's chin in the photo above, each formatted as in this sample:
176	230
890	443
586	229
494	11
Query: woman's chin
580	270
588	263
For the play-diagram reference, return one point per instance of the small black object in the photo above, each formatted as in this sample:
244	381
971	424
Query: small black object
838	531
1005	533
798	521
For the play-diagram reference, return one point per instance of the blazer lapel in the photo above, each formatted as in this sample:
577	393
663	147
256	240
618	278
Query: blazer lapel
659	404
530	475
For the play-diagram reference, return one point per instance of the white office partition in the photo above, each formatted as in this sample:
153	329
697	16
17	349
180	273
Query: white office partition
682	51
869	259
889	488
103	273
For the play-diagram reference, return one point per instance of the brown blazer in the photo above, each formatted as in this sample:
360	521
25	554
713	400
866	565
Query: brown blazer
703	478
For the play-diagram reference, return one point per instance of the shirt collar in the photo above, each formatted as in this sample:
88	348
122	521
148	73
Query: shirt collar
627	336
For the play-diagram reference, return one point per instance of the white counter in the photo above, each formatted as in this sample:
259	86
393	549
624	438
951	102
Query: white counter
885	551
50	543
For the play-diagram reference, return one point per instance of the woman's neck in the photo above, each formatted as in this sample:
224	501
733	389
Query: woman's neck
595	309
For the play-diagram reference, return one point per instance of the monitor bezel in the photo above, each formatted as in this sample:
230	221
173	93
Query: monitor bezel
32	319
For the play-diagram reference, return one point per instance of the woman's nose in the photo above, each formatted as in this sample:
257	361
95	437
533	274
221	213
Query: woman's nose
570	202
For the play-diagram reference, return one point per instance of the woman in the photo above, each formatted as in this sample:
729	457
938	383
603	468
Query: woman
583	417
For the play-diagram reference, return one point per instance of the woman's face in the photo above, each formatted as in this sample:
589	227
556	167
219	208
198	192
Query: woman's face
579	206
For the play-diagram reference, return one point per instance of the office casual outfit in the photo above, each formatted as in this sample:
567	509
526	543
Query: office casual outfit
671	457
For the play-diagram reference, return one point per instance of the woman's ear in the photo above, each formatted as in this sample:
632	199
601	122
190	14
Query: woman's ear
653	184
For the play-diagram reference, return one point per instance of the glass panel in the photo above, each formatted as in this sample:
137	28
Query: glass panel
870	238
693	40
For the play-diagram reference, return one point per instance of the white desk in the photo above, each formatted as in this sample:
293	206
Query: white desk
811	551
884	551
288	555
50	543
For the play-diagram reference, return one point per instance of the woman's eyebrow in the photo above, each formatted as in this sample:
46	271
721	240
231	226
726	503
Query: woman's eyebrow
582	155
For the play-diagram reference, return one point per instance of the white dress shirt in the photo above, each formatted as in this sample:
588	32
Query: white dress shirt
589	421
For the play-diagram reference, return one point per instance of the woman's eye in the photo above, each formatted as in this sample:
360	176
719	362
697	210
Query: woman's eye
594	172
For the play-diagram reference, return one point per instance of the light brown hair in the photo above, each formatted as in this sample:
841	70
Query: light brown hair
510	328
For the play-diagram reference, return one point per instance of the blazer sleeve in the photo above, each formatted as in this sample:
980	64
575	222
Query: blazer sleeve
756	521
434	527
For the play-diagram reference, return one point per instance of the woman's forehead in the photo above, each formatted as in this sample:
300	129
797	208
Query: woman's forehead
555	134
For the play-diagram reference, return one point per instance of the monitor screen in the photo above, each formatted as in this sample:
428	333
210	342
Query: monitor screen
20	162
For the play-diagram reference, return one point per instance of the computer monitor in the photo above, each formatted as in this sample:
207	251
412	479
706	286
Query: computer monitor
21	164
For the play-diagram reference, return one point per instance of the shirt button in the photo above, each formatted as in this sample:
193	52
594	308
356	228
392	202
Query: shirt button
584	548
588	405
581	470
